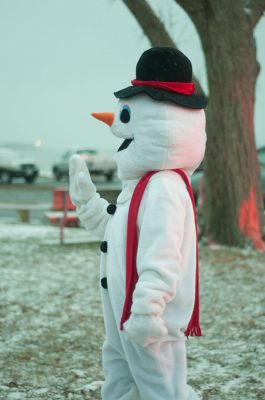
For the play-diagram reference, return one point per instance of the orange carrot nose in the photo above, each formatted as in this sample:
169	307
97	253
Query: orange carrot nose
106	117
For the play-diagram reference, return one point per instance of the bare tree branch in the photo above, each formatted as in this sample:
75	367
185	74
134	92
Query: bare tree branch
153	28
254	10
150	23
193	7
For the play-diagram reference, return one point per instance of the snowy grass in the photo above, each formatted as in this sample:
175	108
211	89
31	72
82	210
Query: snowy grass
51	324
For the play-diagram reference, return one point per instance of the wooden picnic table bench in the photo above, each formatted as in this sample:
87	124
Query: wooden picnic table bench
62	210
24	209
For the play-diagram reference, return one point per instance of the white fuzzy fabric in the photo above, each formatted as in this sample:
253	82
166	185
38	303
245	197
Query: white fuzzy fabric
93	215
90	208
132	372
164	137
166	257
81	185
151	349
145	329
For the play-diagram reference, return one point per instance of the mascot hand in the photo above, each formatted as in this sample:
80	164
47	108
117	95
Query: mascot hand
145	329
81	185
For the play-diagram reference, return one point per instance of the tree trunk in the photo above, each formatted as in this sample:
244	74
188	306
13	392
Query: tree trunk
233	192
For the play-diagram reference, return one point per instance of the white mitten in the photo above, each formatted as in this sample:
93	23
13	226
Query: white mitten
145	329
81	185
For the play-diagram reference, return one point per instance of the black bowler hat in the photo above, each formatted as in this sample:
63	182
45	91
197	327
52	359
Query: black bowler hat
165	74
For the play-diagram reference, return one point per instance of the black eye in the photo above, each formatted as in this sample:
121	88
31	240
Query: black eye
125	114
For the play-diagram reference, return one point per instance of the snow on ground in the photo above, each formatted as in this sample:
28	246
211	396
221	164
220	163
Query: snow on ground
51	324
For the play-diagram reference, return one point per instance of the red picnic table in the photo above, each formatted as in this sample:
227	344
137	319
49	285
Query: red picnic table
63	210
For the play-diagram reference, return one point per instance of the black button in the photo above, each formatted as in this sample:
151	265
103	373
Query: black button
104	247
111	209
104	283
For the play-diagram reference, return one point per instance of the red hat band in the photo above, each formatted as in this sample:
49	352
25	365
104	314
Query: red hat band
185	88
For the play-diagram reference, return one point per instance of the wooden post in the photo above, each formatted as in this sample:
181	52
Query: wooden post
24	215
62	225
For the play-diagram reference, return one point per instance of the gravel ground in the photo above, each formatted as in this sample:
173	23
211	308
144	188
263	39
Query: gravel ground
51	324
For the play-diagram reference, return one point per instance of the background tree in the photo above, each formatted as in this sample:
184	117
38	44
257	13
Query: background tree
235	213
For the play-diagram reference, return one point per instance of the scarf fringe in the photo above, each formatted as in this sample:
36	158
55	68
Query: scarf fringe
193	328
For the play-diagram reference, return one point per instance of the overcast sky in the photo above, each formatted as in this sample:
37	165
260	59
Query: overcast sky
63	59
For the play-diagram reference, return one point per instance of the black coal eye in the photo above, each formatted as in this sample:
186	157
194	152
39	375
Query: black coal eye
125	114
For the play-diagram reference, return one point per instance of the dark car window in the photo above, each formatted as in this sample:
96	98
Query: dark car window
200	167
92	152
261	156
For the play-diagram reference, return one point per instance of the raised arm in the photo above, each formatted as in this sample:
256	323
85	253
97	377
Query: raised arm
90	207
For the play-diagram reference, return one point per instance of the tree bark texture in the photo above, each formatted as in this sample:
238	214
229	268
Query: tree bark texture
233	193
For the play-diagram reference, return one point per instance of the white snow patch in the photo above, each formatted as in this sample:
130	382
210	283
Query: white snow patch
92	386
51	234
51	323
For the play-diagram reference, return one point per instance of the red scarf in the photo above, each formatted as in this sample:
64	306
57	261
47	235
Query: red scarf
193	328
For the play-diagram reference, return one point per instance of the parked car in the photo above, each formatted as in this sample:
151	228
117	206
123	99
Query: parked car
195	181
12	165
198	175
261	157
97	163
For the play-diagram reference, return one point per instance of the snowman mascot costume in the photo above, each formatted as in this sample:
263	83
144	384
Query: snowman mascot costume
149	262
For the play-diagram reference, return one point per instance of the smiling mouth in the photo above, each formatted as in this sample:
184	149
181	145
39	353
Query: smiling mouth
125	144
